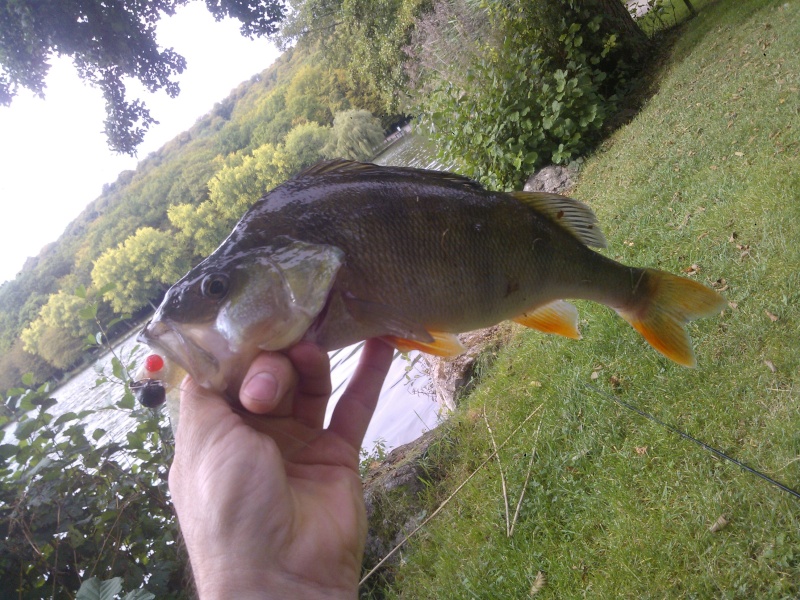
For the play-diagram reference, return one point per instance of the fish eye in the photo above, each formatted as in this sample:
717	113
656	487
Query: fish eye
214	286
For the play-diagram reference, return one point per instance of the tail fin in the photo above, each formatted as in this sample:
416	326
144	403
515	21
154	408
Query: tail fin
668	303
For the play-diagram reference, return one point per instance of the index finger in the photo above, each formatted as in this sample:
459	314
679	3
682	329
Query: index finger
354	410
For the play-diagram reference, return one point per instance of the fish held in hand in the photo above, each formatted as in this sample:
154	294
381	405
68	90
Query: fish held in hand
348	251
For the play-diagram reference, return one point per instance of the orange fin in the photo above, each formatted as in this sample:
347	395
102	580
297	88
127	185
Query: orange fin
557	317
443	344
669	302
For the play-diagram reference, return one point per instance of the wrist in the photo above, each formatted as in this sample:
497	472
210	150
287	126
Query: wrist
264	585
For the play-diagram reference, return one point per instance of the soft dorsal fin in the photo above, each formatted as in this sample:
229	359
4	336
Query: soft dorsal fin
574	216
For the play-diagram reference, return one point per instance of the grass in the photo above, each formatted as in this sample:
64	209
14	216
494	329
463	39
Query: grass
707	174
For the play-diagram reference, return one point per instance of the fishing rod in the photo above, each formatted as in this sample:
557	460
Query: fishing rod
686	436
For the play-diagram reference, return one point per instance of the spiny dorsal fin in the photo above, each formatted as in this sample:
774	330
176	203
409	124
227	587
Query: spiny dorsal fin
573	215
337	165
344	166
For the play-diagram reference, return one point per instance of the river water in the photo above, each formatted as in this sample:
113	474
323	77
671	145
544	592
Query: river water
406	407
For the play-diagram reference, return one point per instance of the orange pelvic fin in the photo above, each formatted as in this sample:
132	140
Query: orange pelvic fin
443	344
668	303
557	317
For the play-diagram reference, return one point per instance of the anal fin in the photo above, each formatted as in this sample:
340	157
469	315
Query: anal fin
443	344
557	317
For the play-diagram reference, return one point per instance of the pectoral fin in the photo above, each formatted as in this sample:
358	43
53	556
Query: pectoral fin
308	271
443	344
557	317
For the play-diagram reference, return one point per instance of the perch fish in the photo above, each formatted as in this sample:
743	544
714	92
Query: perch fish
347	251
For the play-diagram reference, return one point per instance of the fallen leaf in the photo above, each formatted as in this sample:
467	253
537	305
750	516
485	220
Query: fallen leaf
641	450
770	366
771	316
692	270
733	237
720	284
594	375
733	305
615	381
739	153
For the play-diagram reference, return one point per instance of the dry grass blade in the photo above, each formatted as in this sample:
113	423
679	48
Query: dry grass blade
502	474
451	496
524	484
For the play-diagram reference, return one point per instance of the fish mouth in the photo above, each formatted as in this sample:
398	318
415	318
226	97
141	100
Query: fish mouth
165	337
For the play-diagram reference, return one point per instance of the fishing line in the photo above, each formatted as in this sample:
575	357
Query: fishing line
686	436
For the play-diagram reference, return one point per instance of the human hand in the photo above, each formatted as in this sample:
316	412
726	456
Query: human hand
271	504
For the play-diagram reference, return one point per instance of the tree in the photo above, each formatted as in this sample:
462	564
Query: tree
631	42
108	41
301	148
201	228
365	37
356	134
140	268
16	362
57	334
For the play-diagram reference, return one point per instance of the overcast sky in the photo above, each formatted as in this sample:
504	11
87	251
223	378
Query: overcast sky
53	155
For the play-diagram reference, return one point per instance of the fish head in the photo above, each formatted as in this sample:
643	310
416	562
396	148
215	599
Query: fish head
232	305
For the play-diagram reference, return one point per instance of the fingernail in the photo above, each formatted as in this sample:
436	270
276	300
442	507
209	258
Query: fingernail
261	388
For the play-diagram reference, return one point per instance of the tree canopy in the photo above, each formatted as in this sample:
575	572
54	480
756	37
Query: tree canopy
107	42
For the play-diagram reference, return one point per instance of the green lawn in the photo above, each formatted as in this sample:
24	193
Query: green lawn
705	180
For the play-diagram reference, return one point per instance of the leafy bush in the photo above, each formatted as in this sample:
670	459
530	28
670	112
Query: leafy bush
528	85
76	505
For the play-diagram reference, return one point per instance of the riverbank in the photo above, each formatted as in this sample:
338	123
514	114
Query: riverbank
703	181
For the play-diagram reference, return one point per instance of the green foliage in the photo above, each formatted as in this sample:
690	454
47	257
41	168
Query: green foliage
366	39
302	148
139	269
241	181
526	91
368	459
76	505
355	136
94	589
57	332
